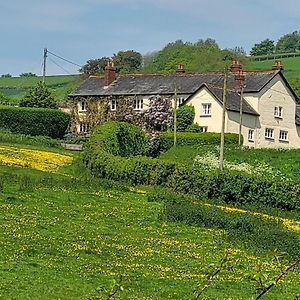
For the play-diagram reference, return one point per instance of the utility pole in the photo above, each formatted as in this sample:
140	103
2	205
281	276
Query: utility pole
175	116
44	64
240	78
221	162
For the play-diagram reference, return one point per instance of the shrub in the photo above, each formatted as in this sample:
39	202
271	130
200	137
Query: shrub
194	128
185	117
120	138
34	121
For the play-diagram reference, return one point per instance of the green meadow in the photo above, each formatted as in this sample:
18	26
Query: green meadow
67	235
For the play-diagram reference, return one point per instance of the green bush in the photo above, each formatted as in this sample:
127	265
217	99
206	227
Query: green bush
166	139
34	121
185	117
194	128
120	138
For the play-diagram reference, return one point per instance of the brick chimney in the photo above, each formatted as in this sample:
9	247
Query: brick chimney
180	69
236	66
239	80
109	73
277	65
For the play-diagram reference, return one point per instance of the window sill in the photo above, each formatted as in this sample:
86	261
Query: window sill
278	117
251	141
284	141
205	116
269	138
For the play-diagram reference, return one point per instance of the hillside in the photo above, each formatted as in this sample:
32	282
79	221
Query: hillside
61	86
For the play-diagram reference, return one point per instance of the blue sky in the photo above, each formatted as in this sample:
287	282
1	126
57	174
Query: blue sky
79	30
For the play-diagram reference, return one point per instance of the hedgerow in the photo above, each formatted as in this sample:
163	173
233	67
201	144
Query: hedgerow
108	158
34	121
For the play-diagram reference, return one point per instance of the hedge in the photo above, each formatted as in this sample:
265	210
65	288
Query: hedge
166	139
228	186
34	121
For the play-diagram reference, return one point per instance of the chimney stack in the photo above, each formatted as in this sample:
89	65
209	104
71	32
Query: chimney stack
236	66
109	73
277	65
180	69
239	80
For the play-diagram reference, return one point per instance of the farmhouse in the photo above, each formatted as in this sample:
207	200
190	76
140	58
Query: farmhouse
269	115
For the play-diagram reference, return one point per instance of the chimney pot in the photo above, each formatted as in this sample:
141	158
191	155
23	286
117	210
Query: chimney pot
236	66
277	65
239	79
180	68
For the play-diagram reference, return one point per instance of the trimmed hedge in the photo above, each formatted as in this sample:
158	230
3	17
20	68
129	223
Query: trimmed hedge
34	121
166	139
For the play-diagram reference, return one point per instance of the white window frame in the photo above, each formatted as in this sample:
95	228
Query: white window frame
206	109
83	127
113	104
251	135
179	101
269	133
283	136
138	104
83	105
278	112
203	128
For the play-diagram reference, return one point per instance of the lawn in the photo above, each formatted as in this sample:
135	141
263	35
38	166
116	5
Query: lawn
66	235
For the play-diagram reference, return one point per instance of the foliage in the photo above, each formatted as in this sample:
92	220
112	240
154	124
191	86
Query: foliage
34	121
128	61
251	229
289	43
185	117
94	66
202	56
158	117
194	128
3	98
265	47
38	96
6	75
8	137
28	74
119	138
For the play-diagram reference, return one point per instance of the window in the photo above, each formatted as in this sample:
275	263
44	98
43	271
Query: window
251	135
278	112
113	104
83	127
269	133
283	136
206	109
179	101
138	104
83	106
203	128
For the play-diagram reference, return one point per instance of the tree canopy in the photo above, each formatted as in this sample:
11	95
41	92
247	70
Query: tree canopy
38	96
94	66
265	47
127	61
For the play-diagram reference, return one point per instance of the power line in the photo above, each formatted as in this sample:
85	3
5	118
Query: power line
59	66
66	60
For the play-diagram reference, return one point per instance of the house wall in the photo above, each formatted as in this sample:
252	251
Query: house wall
276	93
212	122
248	122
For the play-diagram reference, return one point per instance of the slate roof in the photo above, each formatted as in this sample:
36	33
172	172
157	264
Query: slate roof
233	100
155	84
298	115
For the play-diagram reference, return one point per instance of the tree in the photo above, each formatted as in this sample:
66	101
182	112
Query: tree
6	75
288	42
38	96
265	47
28	74
94	66
127	61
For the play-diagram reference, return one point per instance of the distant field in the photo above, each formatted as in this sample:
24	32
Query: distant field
61	86
291	66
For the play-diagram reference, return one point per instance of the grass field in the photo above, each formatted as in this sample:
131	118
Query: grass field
66	235
60	86
291	66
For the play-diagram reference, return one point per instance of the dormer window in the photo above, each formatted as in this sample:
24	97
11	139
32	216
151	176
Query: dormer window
278	112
